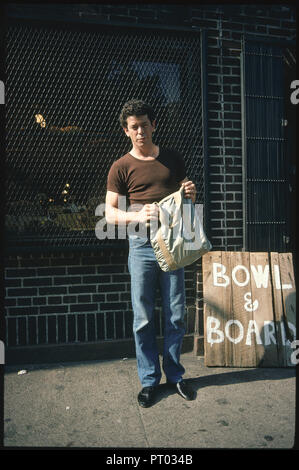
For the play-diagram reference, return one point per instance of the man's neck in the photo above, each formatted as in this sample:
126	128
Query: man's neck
150	152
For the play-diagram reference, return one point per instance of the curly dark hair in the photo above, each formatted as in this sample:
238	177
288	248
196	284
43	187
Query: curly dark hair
136	108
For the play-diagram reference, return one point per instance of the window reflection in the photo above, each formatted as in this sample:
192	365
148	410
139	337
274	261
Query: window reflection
40	120
167	77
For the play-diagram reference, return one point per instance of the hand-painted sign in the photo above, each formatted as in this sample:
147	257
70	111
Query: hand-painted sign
249	309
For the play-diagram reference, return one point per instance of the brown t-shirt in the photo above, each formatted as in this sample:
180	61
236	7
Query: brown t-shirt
145	182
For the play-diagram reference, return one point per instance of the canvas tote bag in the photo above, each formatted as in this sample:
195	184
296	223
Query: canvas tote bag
180	239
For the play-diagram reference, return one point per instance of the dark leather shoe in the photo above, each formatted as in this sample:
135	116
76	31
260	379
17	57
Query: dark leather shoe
147	396
183	389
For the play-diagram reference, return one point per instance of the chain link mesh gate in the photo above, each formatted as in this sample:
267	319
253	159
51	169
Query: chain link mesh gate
65	87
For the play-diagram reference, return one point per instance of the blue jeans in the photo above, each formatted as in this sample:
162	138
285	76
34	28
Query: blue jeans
146	276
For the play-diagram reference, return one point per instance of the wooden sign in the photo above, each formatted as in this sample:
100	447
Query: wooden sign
249	309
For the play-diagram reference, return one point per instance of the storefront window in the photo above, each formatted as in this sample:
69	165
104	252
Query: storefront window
65	90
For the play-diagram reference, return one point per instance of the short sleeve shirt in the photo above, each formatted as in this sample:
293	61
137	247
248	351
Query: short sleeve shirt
145	182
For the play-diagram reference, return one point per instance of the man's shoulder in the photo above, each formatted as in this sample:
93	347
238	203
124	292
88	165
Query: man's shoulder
171	152
121	162
117	175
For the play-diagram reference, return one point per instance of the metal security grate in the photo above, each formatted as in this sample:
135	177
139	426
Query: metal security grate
65	87
268	146
48	329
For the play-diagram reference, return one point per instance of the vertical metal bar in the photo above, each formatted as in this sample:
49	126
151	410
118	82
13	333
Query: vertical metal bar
96	326
123	319
105	325
17	331
27	329
85	324
37	330
204	116
67	328
76	327
244	142
47	329
56	327
222	129
269	131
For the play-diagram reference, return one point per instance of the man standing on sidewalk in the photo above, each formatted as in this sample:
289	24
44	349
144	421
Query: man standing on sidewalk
147	174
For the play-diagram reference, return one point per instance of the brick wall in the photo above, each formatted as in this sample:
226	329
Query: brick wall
69	283
92	286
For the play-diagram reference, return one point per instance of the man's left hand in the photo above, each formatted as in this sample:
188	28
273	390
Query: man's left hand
189	190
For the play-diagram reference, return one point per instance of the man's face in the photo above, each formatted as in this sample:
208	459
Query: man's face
140	130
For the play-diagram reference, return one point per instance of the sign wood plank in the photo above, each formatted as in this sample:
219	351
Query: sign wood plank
263	314
278	308
249	309
244	355
227	299
288	290
213	312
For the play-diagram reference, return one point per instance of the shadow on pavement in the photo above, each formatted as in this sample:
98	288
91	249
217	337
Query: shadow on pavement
240	376
229	378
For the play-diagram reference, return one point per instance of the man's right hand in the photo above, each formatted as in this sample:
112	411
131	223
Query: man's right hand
147	213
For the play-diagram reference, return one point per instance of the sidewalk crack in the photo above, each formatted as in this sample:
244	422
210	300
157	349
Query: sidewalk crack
139	412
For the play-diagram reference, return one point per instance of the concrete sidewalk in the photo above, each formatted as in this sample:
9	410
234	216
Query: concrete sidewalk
94	404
